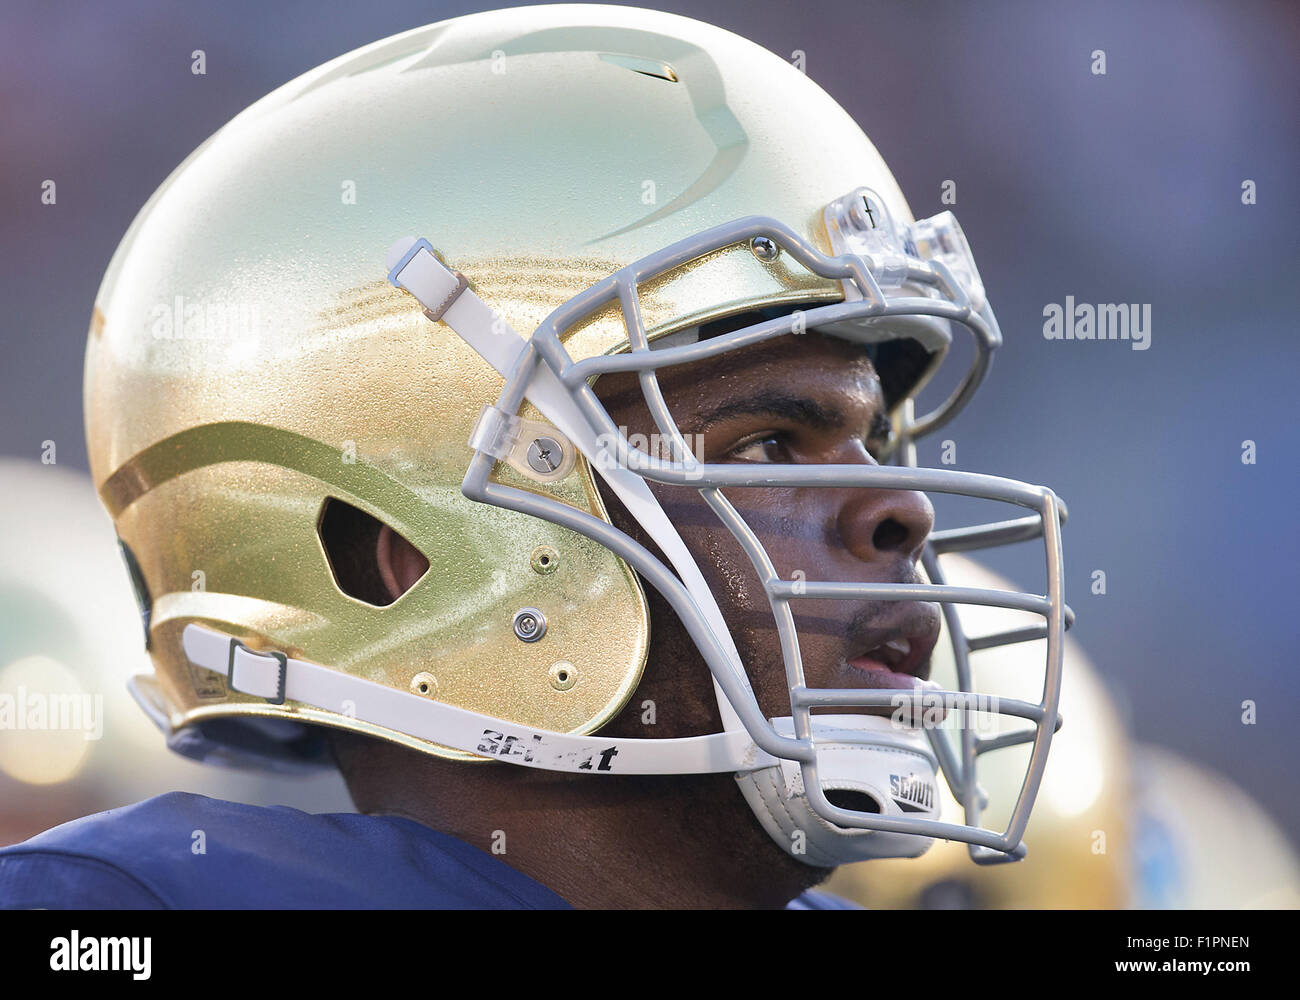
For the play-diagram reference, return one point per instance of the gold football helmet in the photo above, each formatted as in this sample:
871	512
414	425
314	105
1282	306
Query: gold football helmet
604	178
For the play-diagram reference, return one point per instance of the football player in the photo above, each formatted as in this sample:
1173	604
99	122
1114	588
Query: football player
519	414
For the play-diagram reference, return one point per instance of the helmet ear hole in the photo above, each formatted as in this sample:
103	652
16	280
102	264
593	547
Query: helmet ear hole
349	536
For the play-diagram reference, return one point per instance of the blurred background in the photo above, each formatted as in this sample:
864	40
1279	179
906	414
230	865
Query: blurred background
1122	187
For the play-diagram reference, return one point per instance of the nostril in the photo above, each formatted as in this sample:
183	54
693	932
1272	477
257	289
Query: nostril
889	535
884	524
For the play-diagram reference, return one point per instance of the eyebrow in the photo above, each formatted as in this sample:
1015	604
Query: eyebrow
800	409
777	404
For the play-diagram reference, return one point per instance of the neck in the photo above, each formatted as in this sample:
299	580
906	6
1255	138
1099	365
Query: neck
680	842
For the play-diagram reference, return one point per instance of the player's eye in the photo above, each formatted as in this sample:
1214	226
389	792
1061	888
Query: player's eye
766	447
879	437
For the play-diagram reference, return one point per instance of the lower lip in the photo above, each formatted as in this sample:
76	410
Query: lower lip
877	676
880	677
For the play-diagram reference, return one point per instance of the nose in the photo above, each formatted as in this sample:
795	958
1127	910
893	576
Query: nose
878	525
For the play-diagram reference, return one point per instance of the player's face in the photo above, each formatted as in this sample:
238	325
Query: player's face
796	399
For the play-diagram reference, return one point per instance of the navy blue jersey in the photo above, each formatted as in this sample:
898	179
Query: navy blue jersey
183	851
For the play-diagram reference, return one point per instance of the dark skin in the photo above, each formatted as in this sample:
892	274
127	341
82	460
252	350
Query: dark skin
690	841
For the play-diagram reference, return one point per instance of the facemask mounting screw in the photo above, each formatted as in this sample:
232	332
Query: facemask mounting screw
545	455
764	248
529	624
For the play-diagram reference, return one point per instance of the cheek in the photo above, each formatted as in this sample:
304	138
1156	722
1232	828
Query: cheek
796	527
719	555
792	529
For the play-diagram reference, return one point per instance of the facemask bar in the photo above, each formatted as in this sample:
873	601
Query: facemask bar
544	356
945	299
962	775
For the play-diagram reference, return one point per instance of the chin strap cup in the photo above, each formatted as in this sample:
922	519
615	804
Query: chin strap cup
877	767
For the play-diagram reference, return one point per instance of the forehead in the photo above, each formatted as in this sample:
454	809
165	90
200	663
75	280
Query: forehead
811	363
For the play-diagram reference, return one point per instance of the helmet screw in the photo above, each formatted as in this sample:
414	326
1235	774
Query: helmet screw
529	624
545	455
764	248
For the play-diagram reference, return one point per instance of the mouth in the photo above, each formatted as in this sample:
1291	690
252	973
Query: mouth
896	654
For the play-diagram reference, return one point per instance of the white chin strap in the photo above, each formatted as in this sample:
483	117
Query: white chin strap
877	765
